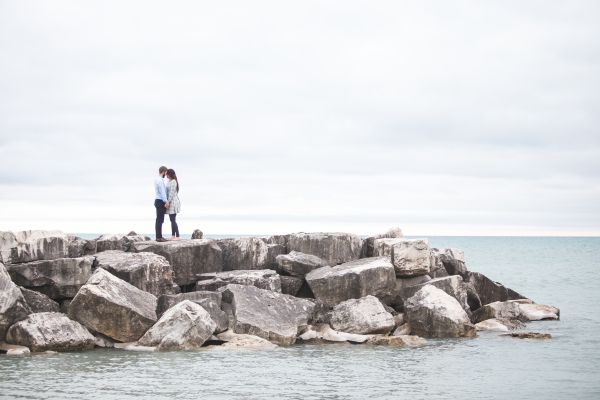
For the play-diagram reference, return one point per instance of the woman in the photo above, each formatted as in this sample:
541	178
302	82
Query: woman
173	205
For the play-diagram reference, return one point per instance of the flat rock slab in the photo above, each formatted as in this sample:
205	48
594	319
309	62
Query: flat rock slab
188	258
498	325
27	246
335	248
267	314
39	302
185	326
298	264
262	278
149	272
431	312
113	307
118	242
242	341
244	253
50	331
529	335
521	310
352	280
13	349
13	306
397	341
324	333
58	279
362	316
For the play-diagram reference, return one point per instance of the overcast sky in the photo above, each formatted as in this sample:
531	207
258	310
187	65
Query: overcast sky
441	117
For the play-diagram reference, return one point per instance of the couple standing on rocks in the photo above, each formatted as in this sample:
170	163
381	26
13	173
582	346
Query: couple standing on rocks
166	201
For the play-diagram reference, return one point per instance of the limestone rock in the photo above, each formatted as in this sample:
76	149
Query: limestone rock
58	279
402	330
262	278
355	279
498	325
298	264
274	250
529	335
113	307
323	333
369	243
134	346
188	258
39	302
50	331
397	341
185	326
13	306
267	314
291	284
362	316
118	242
243	341
383	247
452	285
411	257
146	271
487	290
197	234
431	312
436	268
538	312
79	247
453	261
30	246
244	253
210	301
508	310
13	349
334	248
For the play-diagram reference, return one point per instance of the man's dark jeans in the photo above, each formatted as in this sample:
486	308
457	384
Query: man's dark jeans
160	217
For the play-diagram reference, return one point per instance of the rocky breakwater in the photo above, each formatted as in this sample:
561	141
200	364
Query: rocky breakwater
63	293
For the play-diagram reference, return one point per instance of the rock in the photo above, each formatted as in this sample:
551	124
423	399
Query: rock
399	319
436	268
383	247
411	257
13	307
334	248
291	284
529	335
431	312
13	349
453	261
324	333
369	243
508	310
27	246
397	341
362	316
39	302
263	278
298	264
210	301
50	331
452	285
487	290
188	258
240	340
538	312
273	250
498	325
113	307
267	314
355	279
402	330
64	306
244	253
79	247
197	234
103	341
134	346
58	279
146	271
118	242
185	326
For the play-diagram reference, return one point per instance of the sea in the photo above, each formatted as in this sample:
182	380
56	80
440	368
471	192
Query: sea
560	271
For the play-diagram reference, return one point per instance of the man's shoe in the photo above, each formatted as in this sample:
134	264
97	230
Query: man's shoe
161	240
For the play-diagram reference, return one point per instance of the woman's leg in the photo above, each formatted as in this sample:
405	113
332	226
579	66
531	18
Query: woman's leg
174	227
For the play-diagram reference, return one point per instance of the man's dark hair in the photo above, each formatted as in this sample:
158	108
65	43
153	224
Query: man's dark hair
162	170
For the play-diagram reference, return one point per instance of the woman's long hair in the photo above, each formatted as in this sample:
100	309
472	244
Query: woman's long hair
172	175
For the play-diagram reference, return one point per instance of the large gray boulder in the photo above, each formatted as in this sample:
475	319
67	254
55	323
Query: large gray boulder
27	246
59	279
369	243
185	326
13	306
210	301
324	333
39	302
436	267
334	248
244	253
431	312
261	278
489	291
362	316
146	271
453	260
383	247
50	331
267	314
188	258
79	247
452	285
120	242
522	310
113	307
352	280
411	257
298	264
291	284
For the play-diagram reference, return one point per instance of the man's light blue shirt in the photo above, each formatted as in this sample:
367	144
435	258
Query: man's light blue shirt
160	190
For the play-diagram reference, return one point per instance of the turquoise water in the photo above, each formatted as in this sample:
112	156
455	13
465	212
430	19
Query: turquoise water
558	271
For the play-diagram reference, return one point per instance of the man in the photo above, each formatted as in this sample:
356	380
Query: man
160	202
